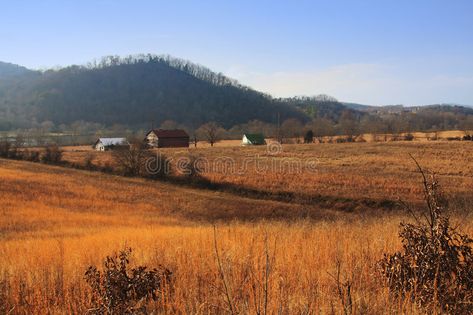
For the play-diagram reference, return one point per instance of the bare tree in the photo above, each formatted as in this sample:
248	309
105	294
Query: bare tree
292	128
348	124
321	127
131	159
211	132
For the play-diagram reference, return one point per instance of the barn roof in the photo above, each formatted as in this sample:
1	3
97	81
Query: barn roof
255	138
112	141
176	133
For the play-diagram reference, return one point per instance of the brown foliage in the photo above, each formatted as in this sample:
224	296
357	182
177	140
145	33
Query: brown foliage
435	268
120	290
52	155
131	160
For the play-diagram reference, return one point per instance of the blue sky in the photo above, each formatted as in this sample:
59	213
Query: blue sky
374	52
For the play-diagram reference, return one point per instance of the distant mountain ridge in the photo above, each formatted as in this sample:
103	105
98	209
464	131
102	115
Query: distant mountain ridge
403	108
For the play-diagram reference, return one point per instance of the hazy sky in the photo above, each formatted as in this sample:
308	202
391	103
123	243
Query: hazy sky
374	52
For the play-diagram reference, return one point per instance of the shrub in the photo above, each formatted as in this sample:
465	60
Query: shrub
4	148
409	137
32	156
52	155
131	159
106	168
89	162
9	150
309	136
121	290
435	268
13	153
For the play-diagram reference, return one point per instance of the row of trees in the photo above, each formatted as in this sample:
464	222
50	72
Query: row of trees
348	124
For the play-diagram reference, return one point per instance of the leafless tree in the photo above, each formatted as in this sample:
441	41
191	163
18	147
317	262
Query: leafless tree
131	159
348	124
292	128
211	132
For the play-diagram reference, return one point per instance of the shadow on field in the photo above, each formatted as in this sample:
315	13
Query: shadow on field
322	201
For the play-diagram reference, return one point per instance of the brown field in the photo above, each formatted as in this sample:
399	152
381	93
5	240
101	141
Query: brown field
362	172
56	222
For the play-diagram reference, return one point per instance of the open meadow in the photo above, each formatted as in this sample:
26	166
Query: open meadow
345	173
268	240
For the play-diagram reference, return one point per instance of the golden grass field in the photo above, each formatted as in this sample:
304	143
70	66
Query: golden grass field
357	171
56	222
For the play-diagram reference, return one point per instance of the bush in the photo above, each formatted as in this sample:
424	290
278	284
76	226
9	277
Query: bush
121	290
32	156
4	149
9	150
409	137
435	268
89	162
309	137
131	160
52	155
13	153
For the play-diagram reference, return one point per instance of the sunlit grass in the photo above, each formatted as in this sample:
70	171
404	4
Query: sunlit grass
56	222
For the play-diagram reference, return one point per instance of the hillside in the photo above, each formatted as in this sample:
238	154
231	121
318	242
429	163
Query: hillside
57	222
323	106
8	70
137	92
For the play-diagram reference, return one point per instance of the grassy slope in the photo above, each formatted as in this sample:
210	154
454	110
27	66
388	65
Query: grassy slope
37	198
359	172
55	222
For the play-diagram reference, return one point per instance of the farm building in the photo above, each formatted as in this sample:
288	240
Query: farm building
160	138
104	144
253	139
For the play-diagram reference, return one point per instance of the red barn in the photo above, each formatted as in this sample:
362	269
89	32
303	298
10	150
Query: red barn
160	138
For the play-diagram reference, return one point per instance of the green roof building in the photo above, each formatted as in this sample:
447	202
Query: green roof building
253	139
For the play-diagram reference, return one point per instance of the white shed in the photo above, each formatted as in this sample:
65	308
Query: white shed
253	139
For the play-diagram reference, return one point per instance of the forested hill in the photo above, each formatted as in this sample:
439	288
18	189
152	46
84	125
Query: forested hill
136	91
8	70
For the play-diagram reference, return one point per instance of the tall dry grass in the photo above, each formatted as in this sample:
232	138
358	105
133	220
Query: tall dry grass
41	275
56	222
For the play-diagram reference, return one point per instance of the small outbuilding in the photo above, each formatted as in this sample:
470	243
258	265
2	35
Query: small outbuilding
161	138
253	139
105	144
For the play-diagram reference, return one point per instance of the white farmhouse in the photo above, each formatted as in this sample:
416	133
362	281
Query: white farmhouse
104	144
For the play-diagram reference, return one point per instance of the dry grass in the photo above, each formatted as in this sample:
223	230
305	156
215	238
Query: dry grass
56	222
358	171
355	170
